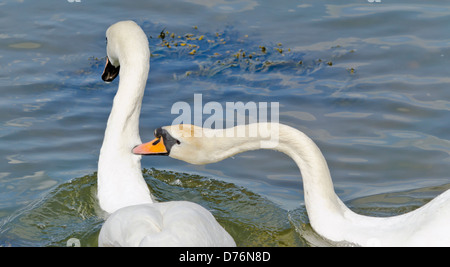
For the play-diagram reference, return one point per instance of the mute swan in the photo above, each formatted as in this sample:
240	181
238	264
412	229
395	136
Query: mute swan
136	219
328	215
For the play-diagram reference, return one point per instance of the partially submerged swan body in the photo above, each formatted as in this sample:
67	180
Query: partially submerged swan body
135	218
428	225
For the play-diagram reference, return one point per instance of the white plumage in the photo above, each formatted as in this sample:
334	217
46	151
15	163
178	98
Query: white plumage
136	219
428	225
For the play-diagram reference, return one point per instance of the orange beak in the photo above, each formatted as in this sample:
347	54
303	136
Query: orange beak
155	147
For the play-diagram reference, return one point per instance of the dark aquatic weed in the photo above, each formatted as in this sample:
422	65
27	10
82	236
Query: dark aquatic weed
208	54
215	52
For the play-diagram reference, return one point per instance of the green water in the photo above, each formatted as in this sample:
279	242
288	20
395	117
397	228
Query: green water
71	211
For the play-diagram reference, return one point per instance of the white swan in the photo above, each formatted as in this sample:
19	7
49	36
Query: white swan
136	219
328	215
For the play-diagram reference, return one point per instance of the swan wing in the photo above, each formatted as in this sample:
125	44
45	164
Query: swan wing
176	223
126	226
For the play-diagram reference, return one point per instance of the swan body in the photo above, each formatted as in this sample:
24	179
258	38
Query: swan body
428	225
169	224
135	218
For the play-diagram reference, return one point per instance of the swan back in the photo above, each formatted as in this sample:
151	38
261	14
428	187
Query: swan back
166	224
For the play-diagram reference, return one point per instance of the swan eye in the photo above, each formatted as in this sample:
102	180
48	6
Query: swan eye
178	142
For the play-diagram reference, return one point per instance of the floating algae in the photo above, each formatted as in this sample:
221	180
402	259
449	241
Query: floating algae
228	50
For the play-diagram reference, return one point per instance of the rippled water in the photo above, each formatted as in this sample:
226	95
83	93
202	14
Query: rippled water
367	81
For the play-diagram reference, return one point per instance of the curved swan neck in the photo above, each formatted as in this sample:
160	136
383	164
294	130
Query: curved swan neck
120	180
328	215
321	201
124	117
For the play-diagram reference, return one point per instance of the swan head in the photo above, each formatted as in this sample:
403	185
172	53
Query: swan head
185	142
198	145
126	44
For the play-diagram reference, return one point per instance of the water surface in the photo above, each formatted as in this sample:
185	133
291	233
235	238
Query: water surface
367	81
